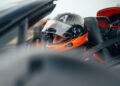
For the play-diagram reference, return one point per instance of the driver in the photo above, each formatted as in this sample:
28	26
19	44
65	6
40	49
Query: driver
66	32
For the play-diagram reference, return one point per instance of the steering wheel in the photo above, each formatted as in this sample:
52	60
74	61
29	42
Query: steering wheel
61	70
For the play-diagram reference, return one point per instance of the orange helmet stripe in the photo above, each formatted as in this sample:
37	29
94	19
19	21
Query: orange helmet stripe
76	42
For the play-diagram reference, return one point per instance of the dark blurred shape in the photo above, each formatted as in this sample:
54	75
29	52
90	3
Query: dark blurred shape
55	70
36	65
10	22
95	36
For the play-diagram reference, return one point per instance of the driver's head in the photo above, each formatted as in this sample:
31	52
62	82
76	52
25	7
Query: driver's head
63	29
70	19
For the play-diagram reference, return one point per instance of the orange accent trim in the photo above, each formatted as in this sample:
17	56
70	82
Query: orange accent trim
85	48
37	42
32	45
36	31
88	29
76	42
97	57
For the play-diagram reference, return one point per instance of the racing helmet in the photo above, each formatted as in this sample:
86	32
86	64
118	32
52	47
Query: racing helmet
69	27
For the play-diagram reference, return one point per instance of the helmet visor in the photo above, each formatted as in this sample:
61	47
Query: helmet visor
57	27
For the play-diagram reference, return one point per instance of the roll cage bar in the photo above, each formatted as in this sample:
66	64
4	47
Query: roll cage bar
16	21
